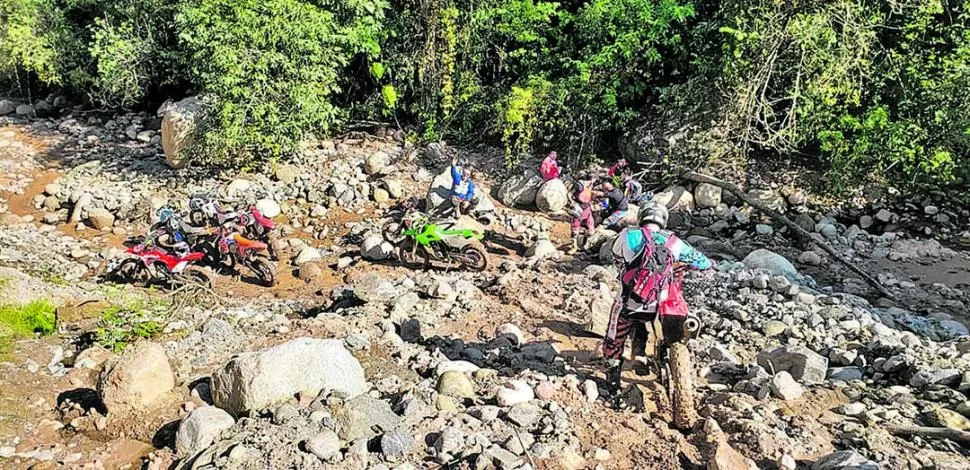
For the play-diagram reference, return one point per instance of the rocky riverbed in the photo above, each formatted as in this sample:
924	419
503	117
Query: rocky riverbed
355	362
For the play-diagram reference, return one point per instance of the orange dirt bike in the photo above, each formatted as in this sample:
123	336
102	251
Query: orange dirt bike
232	249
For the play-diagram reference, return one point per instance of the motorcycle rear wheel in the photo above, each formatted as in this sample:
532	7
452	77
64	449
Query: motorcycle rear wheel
472	256
264	270
413	256
681	386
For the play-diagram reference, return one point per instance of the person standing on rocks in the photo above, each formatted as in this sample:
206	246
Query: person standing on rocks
462	188
549	169
646	256
582	214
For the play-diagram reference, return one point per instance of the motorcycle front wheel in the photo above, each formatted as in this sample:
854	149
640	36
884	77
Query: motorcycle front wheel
391	231
472	256
681	386
413	255
264	270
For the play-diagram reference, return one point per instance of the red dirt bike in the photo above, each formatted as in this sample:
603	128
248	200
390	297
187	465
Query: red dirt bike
672	358
233	248
149	264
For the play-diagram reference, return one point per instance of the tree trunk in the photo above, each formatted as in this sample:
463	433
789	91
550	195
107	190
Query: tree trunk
696	177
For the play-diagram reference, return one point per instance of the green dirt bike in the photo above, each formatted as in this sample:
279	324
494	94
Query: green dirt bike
424	241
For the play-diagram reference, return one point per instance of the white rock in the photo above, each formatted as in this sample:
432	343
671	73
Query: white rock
785	387
510	330
375	248
307	254
552	196
541	249
268	207
514	392
200	429
254	381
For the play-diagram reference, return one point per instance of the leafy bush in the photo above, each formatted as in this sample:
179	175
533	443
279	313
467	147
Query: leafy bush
272	68
34	39
24	320
120	325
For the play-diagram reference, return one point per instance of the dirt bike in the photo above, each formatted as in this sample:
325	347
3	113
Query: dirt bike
148	264
233	248
204	209
425	241
674	362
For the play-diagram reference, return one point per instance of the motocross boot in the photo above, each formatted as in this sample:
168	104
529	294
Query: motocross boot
639	346
614	368
574	245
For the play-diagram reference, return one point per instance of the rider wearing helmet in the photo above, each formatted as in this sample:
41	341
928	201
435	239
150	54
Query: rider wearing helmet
173	231
645	257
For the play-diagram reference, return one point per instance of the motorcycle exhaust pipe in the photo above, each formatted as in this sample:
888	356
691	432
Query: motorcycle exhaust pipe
692	324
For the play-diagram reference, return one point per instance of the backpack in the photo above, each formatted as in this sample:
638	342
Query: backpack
648	276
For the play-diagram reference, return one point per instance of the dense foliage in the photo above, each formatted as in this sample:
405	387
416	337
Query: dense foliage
870	90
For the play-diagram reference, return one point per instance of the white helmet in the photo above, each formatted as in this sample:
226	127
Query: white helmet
654	213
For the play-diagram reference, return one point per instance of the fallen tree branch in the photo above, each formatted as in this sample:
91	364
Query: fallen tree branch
696	177
923	431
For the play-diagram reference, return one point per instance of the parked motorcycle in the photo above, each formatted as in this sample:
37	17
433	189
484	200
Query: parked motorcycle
232	248
148	264
425	241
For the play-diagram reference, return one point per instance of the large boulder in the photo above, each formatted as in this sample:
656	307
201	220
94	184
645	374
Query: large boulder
437	199
101	218
137	379
771	262
179	122
675	198
520	190
376	162
200	429
707	196
600	308
552	196
7	107
802	363
254	381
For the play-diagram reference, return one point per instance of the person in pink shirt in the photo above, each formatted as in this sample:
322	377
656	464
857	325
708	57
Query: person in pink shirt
549	169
